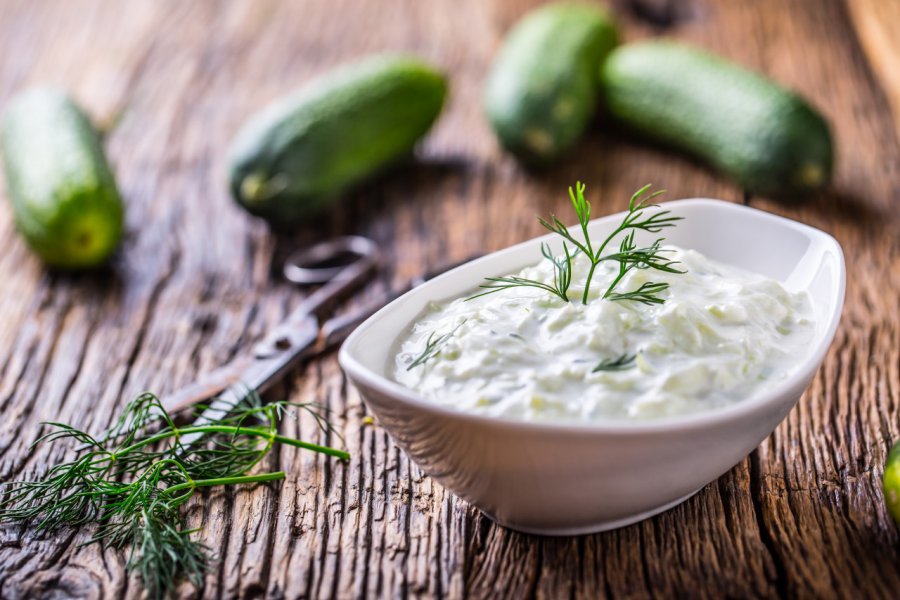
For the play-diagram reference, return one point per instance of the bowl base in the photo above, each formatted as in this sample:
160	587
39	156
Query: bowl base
593	527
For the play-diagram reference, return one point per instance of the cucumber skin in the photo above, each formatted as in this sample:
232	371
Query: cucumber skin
308	148
58	181
762	135
542	89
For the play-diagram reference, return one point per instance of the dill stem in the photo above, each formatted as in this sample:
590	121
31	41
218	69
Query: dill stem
613	285
587	237
587	283
234	431
275	476
602	247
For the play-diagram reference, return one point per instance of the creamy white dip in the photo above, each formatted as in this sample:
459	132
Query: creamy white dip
721	336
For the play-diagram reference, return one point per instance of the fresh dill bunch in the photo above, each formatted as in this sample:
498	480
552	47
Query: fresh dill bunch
132	481
642	215
433	346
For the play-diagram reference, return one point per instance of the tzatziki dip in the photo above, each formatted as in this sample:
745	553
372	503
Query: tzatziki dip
720	336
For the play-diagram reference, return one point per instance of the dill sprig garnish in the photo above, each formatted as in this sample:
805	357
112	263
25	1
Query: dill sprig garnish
433	346
132	481
562	277
615	364
629	256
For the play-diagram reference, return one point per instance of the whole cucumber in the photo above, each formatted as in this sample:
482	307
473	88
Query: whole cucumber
542	89
289	161
767	138
63	193
891	482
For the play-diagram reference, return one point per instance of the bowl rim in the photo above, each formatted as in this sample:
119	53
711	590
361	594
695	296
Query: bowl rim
357	372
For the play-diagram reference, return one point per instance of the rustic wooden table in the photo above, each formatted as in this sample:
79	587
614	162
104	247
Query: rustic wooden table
196	281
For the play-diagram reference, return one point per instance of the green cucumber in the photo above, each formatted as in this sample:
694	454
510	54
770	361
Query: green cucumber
892	482
289	161
63	193
767	138
542	89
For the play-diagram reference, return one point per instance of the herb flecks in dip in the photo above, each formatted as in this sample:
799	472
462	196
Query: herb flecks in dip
720	336
608	330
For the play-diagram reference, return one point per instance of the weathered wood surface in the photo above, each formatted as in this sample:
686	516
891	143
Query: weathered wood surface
197	280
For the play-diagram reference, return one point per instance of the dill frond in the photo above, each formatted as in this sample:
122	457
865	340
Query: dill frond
131	481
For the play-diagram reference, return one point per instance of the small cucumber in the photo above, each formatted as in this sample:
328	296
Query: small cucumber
64	197
892	482
293	158
542	89
762	135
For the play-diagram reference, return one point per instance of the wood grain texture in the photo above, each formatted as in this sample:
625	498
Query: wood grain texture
196	281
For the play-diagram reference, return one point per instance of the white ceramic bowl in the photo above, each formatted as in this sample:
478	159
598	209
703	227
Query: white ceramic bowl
560	479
